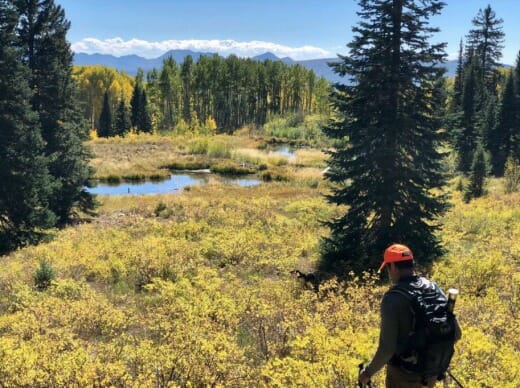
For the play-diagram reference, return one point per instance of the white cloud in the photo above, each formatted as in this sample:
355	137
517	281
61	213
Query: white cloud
144	48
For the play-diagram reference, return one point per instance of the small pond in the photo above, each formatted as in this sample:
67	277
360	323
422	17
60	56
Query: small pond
174	184
286	151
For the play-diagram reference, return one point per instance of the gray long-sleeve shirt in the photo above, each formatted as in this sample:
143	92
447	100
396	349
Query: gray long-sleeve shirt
396	325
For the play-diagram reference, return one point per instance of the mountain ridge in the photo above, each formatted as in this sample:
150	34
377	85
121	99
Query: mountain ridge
130	63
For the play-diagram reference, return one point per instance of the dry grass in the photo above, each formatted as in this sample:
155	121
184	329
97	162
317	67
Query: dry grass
308	157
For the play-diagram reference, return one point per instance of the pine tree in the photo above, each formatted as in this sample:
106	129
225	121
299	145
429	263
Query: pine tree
122	124
25	181
458	85
488	121
105	119
386	161
486	40
145	123
479	171
467	135
42	32
135	102
500	138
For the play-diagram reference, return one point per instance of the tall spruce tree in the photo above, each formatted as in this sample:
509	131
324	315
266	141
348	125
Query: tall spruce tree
486	41
458	84
25	181
122	123
135	102
106	118
386	161
145	123
467	134
141	119
42	33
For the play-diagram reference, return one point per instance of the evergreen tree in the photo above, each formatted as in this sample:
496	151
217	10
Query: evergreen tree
42	33
488	121
135	103
25	181
499	139
453	119
486	40
105	119
145	124
141	119
458	84
479	171
122	124
467	135
386	162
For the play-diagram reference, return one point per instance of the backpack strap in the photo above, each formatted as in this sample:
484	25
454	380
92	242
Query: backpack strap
397	289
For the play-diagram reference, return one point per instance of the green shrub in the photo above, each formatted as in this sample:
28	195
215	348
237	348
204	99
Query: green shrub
161	206
44	275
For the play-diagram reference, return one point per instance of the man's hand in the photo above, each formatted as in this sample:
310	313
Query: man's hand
363	378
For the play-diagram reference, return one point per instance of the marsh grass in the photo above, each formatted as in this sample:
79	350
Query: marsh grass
307	157
139	157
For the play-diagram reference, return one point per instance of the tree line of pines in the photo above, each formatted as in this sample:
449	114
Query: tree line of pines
43	163
230	92
391	117
483	115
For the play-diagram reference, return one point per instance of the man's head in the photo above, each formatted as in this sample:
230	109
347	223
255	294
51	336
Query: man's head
397	259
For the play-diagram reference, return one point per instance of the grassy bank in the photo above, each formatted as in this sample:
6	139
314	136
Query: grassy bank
195	289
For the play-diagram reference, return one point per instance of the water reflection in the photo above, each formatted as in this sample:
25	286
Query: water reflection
174	184
285	151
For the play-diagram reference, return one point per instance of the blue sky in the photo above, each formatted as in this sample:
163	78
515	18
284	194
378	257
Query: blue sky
301	29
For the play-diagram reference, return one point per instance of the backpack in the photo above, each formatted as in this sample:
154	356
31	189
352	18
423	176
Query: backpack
430	345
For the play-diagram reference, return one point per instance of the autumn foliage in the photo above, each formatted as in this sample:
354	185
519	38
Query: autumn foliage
195	289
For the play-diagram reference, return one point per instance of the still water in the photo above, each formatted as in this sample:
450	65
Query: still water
174	184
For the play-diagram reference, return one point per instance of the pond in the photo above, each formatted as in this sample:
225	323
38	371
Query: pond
285	151
175	184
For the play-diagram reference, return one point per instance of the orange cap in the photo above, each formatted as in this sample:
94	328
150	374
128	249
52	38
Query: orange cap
395	253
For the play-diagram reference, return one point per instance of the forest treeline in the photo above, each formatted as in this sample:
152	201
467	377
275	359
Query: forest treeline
483	113
205	95
44	166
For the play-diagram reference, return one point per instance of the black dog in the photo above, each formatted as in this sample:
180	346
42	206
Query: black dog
310	278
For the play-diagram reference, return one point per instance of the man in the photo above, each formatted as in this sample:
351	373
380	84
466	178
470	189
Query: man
397	321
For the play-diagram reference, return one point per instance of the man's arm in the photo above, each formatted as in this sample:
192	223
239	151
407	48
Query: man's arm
390	311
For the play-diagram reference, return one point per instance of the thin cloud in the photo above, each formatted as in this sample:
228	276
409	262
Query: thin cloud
119	47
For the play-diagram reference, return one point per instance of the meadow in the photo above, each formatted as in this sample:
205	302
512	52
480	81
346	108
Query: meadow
194	289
